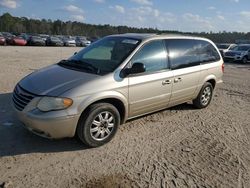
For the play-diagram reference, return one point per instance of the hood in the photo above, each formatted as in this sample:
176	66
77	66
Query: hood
18	39
54	80
233	52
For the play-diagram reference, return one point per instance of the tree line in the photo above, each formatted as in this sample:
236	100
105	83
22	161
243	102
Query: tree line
9	23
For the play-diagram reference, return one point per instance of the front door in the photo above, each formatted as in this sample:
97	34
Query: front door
151	90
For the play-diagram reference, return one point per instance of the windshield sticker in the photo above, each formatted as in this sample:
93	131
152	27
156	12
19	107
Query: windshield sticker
130	41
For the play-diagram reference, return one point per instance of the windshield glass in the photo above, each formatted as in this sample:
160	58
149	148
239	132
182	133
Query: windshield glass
81	38
105	55
223	46
241	48
36	38
54	38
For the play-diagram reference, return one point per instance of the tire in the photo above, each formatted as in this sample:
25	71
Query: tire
244	60
94	131
205	96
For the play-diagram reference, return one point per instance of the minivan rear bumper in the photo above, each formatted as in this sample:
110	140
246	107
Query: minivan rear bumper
56	127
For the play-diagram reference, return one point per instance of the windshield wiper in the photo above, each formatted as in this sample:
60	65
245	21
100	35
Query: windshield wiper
80	65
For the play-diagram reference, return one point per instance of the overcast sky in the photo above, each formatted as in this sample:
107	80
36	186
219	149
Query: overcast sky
182	15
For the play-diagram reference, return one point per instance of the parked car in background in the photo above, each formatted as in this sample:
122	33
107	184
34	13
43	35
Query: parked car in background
82	41
25	36
18	41
8	36
44	36
2	40
54	41
115	79
94	39
225	47
36	41
69	41
240	53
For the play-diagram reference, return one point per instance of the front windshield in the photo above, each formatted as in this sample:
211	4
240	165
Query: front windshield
105	55
36	38
82	38
241	48
55	38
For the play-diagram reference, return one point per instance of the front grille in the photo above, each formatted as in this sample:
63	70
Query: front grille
21	97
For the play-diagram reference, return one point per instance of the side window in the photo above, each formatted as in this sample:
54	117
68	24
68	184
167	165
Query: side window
183	53
152	55
208	52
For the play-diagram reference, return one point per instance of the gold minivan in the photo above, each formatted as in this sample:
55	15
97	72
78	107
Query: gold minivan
115	79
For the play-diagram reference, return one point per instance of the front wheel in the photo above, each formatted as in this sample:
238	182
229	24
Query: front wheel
244	60
98	125
205	96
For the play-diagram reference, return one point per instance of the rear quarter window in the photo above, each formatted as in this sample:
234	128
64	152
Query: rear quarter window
207	52
188	52
183	53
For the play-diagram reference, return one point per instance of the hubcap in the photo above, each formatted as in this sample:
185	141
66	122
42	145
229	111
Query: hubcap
102	126
206	95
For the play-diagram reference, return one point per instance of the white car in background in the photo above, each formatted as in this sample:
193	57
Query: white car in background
82	41
69	41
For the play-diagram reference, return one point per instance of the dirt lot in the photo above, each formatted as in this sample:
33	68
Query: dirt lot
177	147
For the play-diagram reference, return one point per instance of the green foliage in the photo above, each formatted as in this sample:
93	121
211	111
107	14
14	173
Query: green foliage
13	24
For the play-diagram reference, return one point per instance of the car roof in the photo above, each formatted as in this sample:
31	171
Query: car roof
145	36
226	43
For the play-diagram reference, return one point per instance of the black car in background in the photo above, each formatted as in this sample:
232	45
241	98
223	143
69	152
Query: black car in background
36	41
94	39
54	41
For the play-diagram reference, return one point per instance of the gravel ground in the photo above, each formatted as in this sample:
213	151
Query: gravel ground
177	147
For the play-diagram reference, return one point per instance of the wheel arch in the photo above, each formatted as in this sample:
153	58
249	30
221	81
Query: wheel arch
211	79
115	98
116	103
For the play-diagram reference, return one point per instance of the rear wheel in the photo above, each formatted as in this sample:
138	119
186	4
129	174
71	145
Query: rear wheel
98	125
205	96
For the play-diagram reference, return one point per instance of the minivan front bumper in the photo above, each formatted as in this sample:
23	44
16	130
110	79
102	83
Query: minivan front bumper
46	126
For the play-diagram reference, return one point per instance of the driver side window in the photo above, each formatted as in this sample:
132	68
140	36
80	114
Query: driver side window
153	55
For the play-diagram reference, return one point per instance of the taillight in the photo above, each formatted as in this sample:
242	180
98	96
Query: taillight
223	67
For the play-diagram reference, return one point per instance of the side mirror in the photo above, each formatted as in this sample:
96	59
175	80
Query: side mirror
135	69
75	53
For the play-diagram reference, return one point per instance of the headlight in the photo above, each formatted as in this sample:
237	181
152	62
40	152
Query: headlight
243	53
54	103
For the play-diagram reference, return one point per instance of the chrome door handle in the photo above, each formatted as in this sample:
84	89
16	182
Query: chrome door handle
166	82
177	80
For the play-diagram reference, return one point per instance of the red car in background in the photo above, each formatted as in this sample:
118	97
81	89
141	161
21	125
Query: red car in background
2	40
18	41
